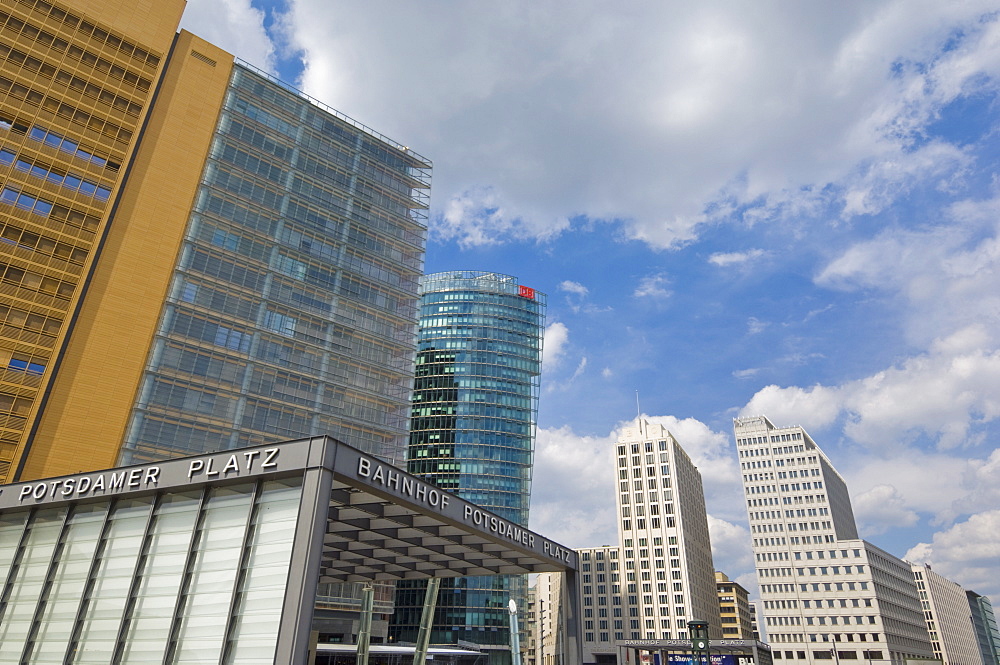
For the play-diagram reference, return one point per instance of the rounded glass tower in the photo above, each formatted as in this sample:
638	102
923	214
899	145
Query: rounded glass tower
472	427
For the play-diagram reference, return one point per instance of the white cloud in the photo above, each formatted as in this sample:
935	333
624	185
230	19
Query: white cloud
724	259
574	288
580	368
654	286
577	298
748	373
813	408
934	484
572	497
945	275
554	342
756	326
535	114
479	216
966	553
981	478
946	393
880	509
233	25
731	550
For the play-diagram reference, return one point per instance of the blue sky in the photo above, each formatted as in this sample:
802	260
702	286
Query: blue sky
778	208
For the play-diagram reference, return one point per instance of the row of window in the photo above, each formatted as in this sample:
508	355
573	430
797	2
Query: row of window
32	280
648	447
67	180
787	487
83	28
654	523
53	104
794	540
814	586
774	438
826	655
20	363
599	556
20	318
85	87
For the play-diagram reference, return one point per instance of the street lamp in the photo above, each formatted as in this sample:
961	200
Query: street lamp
515	636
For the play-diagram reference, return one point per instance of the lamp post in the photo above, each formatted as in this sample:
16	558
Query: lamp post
515	635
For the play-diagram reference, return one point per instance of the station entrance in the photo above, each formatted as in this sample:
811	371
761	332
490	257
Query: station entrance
217	558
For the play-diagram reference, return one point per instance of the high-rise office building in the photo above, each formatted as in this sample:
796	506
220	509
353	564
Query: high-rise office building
529	629
479	352
984	622
661	575
222	263
826	595
735	611
669	578
946	611
550	638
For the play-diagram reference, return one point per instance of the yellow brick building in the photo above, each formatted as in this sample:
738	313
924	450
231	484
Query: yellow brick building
734	609
75	87
194	256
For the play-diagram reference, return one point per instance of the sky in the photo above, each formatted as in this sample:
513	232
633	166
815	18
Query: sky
779	208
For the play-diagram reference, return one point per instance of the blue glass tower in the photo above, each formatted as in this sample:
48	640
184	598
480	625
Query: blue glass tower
475	398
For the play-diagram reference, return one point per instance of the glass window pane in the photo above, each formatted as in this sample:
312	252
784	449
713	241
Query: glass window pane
105	604
69	580
26	587
209	588
265	576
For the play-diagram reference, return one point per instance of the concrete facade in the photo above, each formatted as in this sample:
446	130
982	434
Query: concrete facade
666	555
946	610
661	575
825	594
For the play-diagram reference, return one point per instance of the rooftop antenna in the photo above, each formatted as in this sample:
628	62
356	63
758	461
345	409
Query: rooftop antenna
638	413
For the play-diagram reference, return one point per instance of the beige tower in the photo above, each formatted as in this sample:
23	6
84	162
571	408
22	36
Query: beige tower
827	596
668	576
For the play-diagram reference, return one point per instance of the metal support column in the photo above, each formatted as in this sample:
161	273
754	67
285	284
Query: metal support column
365	623
426	621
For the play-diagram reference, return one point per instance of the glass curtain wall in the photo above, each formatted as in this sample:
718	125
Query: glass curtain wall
292	308
472	431
293	303
151	579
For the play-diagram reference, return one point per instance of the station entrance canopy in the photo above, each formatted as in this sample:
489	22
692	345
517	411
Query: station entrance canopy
219	555
679	652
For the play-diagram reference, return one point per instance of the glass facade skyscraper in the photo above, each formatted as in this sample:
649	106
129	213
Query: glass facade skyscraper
474	404
290	311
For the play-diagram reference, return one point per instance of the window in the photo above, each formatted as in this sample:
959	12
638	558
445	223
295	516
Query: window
25	365
14	197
